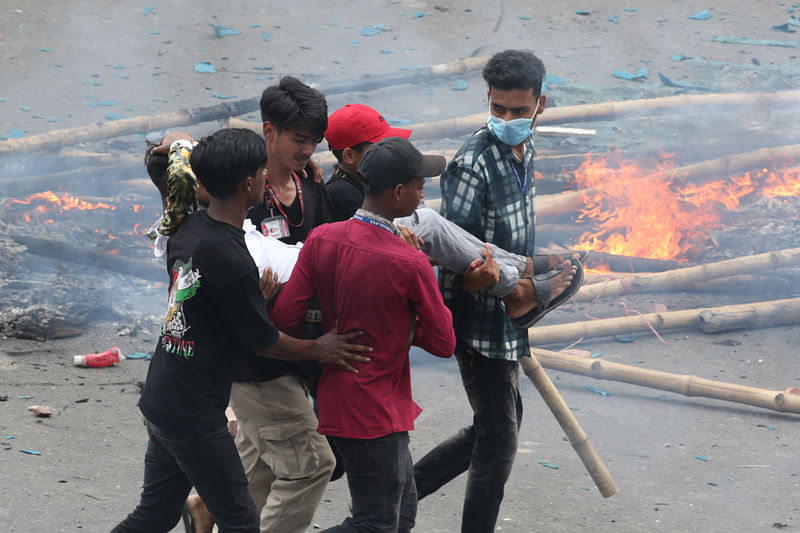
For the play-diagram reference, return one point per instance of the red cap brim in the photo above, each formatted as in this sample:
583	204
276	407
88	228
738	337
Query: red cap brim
392	132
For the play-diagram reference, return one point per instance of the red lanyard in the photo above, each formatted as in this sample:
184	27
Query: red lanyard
272	199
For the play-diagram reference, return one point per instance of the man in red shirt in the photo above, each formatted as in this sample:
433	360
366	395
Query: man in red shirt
367	279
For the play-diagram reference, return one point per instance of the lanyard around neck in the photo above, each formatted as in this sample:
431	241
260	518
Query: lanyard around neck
362	217
271	199
523	184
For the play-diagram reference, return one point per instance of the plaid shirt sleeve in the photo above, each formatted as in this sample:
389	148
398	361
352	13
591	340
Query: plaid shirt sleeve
482	194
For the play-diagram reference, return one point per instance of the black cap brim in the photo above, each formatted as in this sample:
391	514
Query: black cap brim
432	166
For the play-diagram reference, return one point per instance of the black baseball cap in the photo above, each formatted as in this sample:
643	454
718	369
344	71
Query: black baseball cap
394	160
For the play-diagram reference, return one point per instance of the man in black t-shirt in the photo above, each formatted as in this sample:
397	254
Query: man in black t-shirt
215	314
287	462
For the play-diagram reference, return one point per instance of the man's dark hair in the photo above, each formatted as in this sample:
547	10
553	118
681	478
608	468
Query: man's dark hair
226	157
156	165
514	69
294	105
357	147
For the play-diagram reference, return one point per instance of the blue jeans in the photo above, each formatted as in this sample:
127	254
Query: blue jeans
487	448
380	475
173	464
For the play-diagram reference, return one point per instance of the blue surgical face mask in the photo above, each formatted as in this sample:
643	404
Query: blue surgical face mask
512	132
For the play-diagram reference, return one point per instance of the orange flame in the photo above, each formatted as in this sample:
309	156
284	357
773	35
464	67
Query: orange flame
637	211
60	202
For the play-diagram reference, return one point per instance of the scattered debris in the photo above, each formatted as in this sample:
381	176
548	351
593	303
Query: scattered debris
110	115
640	74
755	42
204	67
221	31
703	15
41	411
786	28
139	355
109	357
31	452
371	31
595	390
669	83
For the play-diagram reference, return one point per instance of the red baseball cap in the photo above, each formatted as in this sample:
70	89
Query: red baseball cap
357	123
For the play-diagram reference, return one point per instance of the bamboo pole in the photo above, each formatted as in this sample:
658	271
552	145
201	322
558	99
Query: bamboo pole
772	313
683	278
615	110
684	384
63	251
715	169
186	117
577	437
101	175
414	76
128	126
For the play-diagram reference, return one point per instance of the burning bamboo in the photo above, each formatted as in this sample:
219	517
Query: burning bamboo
682	278
684	384
577	437
627	263
763	314
63	251
186	117
556	204
96	175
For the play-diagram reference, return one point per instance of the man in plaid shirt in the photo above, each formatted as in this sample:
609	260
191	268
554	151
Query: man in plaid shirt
488	190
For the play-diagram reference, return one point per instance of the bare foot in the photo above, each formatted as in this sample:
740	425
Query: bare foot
203	521
558	259
553	260
523	298
528	268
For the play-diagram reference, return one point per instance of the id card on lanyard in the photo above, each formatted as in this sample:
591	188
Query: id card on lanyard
275	227
278	225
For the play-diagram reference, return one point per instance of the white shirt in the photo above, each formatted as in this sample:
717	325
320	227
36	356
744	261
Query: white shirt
267	252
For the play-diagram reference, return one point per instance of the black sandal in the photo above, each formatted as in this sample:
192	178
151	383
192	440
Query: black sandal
541	284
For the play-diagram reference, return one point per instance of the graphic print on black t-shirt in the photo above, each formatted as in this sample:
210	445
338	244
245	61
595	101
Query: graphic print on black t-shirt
185	283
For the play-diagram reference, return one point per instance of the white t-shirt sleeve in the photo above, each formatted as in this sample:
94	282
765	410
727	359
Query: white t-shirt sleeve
270	252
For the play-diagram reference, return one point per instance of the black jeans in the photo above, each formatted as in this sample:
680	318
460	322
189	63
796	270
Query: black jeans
173	464
486	449
380	475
